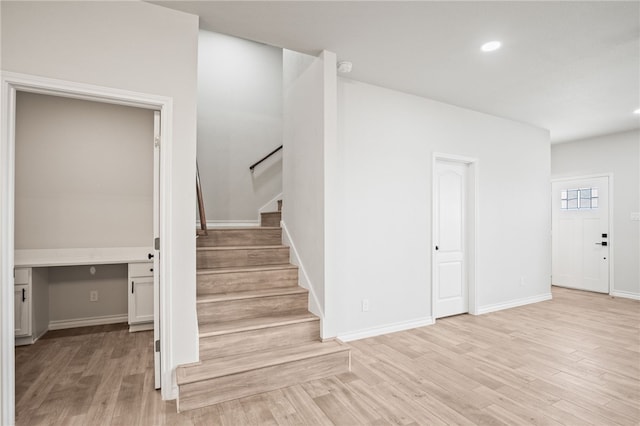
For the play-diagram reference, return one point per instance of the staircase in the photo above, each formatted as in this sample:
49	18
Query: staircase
256	334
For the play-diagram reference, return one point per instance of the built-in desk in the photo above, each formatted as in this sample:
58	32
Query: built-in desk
80	256
31	286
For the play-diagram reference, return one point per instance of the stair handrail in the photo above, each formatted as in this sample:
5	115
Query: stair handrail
253	166
203	218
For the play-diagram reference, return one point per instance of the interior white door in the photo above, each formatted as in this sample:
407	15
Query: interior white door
580	234
156	257
450	272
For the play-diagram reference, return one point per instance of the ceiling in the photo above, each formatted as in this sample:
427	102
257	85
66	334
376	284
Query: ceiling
570	67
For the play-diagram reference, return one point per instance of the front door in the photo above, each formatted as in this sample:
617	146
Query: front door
450	271
580	234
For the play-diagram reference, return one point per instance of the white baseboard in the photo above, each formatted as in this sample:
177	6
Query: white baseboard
29	340
23	341
85	322
172	394
145	326
42	333
513	303
386	329
303	278
229	223
625	294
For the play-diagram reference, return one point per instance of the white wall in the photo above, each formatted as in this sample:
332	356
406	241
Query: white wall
382	251
40	301
83	174
308	100
618	154
139	47
239	122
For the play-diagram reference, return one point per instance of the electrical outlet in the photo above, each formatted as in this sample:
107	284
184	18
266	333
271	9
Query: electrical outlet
365	305
93	296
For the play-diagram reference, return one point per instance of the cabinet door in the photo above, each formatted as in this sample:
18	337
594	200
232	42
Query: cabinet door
22	308
141	300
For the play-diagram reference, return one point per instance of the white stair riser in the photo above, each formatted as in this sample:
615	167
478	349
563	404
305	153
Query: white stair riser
230	310
240	237
207	259
234	386
259	340
246	281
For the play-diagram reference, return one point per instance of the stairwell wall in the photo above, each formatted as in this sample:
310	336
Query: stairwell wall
239	121
308	127
386	141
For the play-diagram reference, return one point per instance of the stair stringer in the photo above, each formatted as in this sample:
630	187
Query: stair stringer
303	277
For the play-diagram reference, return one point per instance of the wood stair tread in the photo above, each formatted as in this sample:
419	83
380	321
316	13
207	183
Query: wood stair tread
270	292
248	324
214	368
225	248
244	228
232	269
255	331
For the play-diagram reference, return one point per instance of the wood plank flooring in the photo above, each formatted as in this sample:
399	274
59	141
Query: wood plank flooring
574	360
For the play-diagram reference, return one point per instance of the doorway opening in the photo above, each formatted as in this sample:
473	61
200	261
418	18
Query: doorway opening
12	84
454	226
582	238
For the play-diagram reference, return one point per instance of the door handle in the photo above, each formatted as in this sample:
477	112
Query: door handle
150	256
436	248
24	294
604	244
132	285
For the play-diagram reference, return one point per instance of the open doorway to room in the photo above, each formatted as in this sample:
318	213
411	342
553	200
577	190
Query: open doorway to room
83	235
81	228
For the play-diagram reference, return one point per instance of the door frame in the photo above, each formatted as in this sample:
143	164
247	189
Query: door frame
10	84
612	234
471	231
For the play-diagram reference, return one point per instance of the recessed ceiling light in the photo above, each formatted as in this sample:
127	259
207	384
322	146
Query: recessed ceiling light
637	111
491	46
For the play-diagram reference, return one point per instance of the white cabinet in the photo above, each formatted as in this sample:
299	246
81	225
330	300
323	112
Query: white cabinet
141	308
140	296
22	310
22	306
31	304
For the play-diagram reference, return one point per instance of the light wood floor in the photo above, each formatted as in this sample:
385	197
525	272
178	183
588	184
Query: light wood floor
574	360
